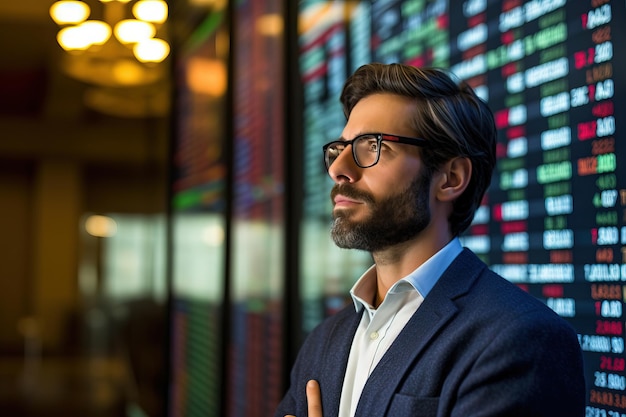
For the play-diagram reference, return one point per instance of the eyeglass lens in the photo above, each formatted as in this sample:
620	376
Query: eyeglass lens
365	150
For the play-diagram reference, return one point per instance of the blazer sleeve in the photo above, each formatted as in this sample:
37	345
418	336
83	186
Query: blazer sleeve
292	403
323	357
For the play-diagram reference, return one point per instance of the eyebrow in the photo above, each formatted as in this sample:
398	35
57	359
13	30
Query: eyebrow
343	139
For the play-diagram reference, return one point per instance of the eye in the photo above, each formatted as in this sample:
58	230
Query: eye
369	143
336	148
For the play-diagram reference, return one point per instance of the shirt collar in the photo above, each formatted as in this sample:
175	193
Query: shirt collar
422	279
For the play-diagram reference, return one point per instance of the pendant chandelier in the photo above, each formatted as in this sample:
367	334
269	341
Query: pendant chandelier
124	47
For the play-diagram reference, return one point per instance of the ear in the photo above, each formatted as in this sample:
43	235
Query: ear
452	179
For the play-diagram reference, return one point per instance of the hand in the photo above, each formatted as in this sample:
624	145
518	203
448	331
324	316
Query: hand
313	399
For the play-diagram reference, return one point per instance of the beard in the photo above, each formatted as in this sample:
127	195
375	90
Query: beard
393	220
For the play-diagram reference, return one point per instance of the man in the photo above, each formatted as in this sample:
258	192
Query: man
434	331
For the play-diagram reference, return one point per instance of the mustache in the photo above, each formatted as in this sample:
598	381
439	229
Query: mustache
351	192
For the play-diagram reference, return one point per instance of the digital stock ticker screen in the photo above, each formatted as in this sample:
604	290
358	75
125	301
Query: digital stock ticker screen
554	219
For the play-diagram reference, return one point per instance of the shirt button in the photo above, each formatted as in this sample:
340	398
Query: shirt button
374	335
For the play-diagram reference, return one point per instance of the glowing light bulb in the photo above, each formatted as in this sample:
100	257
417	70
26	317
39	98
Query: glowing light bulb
100	226
96	31
151	10
151	50
69	12
72	39
131	30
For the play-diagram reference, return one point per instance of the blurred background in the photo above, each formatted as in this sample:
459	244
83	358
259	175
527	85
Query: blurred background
83	180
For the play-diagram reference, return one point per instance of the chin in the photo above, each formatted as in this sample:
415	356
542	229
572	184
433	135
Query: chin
349	215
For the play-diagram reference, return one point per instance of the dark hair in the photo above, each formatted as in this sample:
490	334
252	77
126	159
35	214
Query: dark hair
448	114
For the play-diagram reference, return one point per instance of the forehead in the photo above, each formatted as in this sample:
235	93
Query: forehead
381	113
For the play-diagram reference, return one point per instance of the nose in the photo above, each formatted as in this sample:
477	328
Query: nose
344	168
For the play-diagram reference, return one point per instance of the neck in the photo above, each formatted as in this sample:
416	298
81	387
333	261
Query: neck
395	263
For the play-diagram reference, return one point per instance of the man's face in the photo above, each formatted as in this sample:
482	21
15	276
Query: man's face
387	204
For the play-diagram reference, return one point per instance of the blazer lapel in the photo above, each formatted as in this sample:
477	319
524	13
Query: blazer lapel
437	309
336	352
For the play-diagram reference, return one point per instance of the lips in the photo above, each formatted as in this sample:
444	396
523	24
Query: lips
341	200
343	195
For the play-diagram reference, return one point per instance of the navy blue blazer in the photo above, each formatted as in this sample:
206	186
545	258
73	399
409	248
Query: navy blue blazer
477	346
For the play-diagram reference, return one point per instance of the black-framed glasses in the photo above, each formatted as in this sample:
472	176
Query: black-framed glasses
365	148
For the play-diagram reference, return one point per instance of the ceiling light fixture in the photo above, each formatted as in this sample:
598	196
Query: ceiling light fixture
96	47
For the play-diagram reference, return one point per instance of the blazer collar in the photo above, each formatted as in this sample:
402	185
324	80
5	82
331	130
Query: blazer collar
437	309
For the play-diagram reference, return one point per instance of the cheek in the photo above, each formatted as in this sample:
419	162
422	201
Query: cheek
383	187
393	180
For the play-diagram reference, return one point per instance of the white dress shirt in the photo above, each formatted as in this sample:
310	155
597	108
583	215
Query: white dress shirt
380	327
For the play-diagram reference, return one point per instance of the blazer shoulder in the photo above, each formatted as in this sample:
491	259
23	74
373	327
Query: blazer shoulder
470	283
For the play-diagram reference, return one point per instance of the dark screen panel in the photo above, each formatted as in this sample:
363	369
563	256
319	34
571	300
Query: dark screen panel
198	222
554	221
254	385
